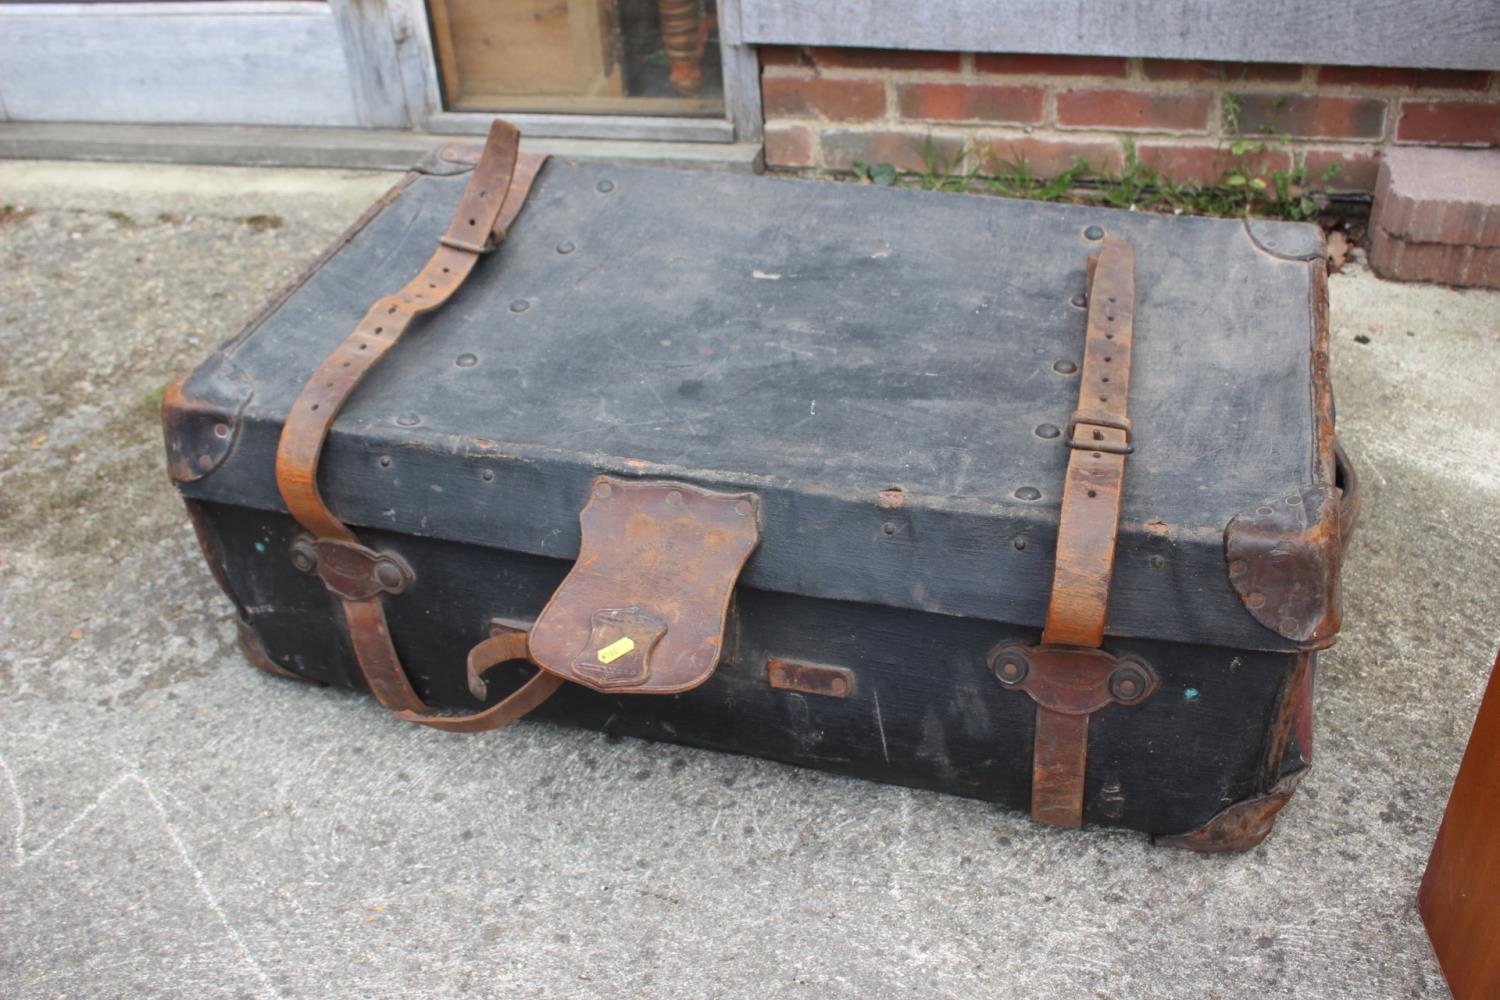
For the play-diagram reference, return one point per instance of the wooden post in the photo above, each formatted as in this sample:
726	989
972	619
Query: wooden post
1460	895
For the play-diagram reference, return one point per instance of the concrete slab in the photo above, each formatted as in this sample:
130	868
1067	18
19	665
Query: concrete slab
174	822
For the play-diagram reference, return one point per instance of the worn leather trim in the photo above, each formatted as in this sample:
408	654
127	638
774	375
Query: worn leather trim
1099	439
492	199
1238	827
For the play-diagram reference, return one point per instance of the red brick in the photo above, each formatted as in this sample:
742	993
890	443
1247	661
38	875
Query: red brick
789	145
1228	72
818	95
1046	156
1038	65
903	150
1312	116
1391	76
1447	196
1465	266
1204	164
1449	123
1357	171
895	59
1133	110
783	55
954	102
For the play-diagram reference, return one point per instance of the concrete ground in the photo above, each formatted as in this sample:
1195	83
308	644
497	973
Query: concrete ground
173	822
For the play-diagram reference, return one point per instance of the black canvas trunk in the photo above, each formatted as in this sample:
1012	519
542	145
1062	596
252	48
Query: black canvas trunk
888	375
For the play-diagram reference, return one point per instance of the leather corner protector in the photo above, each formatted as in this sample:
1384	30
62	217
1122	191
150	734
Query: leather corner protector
449	159
1286	240
1238	827
200	417
1283	557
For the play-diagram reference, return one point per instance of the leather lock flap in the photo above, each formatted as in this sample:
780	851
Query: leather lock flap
644	608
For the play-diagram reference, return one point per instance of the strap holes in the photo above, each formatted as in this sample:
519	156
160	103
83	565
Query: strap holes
1109	336
471	222
1098	455
379	330
1093	493
1098	435
445	270
363	346
1104	378
1103	399
329	383
1108	360
314	406
431	284
391	309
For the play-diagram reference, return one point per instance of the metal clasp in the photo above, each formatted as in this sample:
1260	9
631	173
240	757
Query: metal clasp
1096	422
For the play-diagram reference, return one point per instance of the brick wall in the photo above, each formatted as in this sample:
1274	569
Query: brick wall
827	108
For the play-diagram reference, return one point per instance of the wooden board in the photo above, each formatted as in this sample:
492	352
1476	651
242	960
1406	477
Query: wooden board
1460	895
1441	34
274	63
498	49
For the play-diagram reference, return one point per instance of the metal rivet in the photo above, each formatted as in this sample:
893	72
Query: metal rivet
604	187
1065	367
205	461
839	687
1094	233
888	527
467	360
1011	669
520	306
1028	493
1127	683
385	461
304	557
1255	600
408	420
1079	301
1288	626
488	475
1237	567
602	491
389	576
565	248
674	499
1019	542
1047	431
1156	562
221	430
1264	511
1293	500
742	508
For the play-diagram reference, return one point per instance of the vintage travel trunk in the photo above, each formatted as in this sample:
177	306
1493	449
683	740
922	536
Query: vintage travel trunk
1034	503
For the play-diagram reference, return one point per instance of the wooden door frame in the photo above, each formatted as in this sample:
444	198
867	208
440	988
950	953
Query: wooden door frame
389	50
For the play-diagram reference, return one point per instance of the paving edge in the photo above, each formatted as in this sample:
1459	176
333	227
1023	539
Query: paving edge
337	148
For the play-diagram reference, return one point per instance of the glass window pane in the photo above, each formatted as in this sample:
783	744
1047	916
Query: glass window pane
638	57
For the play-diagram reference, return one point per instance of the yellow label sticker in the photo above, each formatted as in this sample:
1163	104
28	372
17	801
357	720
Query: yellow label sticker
616	649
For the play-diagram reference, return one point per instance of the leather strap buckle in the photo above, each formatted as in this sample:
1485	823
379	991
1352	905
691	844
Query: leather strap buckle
1093	424
488	246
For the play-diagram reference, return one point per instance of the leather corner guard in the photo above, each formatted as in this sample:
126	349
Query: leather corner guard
358	576
643	609
1067	675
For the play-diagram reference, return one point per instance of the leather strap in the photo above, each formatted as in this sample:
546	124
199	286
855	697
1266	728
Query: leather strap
492	199
1099	438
